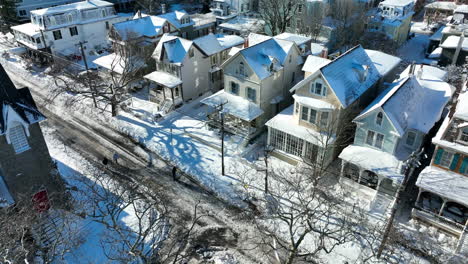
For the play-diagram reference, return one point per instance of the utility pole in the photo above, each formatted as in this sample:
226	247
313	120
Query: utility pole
220	108
411	164
267	152
83	54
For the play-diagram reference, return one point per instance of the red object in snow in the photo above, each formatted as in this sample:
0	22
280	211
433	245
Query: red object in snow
41	201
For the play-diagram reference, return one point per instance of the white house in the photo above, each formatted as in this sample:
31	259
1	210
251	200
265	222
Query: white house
187	69
23	7
60	29
256	84
442	199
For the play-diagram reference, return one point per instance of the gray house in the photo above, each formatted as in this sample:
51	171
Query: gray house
25	164
392	127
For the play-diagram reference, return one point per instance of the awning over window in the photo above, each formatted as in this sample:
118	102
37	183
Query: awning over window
164	79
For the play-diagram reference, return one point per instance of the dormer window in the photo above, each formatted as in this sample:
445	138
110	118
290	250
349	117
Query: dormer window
18	138
379	118
318	88
410	138
272	67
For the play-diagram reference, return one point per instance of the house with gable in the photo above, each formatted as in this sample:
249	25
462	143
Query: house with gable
187	69
325	101
391	128
442	198
60	29
393	18
181	21
25	164
256	84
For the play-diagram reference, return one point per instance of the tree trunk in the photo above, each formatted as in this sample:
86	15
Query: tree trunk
114	107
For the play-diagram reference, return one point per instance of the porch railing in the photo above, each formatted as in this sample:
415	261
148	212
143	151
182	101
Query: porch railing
437	220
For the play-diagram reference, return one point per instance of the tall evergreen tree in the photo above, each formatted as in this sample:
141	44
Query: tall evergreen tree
8	15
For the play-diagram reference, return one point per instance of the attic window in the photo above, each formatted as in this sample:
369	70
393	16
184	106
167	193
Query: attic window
272	67
379	119
18	138
191	52
241	69
361	70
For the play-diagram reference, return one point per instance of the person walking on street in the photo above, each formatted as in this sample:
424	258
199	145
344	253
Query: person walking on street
174	173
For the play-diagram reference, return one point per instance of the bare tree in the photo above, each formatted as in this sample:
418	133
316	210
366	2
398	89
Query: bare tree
378	41
277	14
108	88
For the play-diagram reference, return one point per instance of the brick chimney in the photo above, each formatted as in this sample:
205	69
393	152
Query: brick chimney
246	43
324	53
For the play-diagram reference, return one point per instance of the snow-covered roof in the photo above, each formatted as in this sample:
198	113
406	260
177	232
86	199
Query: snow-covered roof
89	4
164	79
444	183
261	56
285	121
412	103
203	20
350	75
314	63
298	39
234	51
255	38
462	107
313	102
380	162
175	18
397	2
5	197
383	61
244	24
175	48
148	26
442	5
436	53
235	105
212	44
116	63
16	103
428	72
316	48
452	42
461	9
28	29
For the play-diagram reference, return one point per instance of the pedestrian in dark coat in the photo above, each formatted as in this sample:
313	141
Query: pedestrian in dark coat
174	173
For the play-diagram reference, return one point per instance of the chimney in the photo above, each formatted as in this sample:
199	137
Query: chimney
324	53
163	8
139	13
246	43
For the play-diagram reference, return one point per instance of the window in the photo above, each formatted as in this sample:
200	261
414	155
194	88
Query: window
103	13
57	34
241	68
107	24
191	52
22	12
73	31
446	159
464	135
38	40
370	137
251	94
297	108
379	140
177	91
324	119
299	8
318	88
18	139
214	59
305	113
313	116
234	88
379	119
293	77
410	138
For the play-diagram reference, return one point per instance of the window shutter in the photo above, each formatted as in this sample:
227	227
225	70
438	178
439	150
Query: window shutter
454	163
438	156
464	165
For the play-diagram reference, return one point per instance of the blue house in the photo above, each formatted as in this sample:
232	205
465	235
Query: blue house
392	127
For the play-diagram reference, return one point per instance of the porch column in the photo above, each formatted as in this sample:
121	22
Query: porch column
343	163
164	92
361	171
172	95
181	91
379	181
442	207
419	195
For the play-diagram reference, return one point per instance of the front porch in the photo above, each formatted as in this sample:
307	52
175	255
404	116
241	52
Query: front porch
167	91
442	199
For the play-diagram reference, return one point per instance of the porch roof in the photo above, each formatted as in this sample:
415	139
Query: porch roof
444	183
116	63
164	79
377	161
286	123
28	29
235	105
